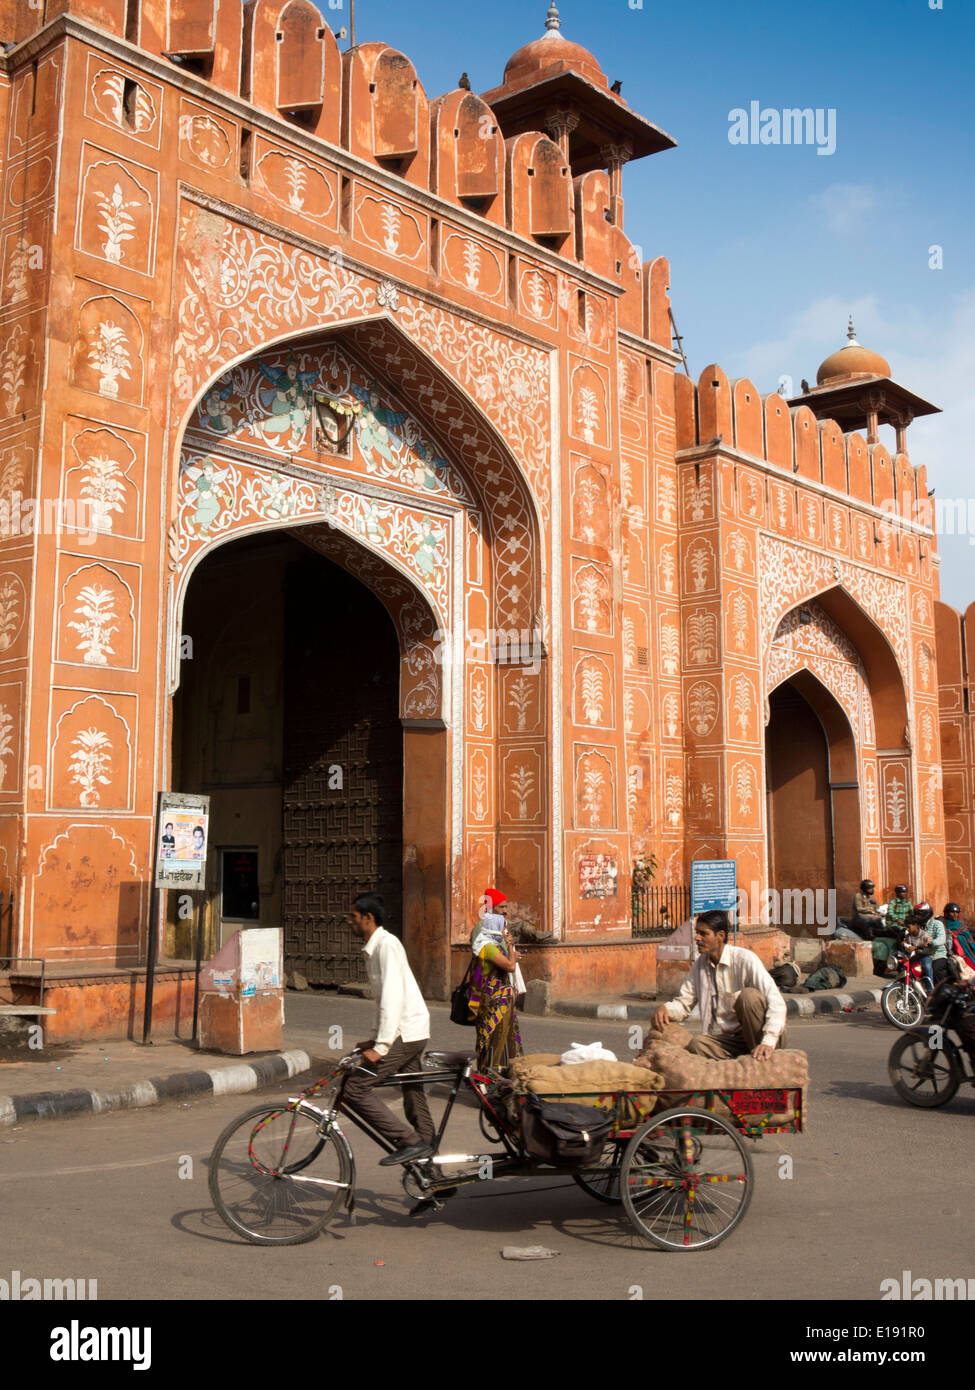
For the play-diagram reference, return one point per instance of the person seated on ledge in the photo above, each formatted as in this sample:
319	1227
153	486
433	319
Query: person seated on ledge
898	909
741	1007
866	918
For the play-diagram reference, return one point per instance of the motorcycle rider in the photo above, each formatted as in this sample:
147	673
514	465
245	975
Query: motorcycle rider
926	933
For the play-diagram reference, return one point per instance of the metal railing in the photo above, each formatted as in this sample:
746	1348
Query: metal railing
659	908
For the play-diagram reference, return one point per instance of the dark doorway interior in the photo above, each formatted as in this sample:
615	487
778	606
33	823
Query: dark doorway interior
342	794
288	717
799	813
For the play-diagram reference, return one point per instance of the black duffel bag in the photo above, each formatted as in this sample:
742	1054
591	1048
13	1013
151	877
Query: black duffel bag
564	1133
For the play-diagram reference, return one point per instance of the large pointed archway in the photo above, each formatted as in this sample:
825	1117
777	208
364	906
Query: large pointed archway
344	440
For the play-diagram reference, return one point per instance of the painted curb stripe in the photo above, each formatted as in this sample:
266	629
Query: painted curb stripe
245	1076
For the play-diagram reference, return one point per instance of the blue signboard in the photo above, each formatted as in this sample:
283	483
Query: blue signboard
714	885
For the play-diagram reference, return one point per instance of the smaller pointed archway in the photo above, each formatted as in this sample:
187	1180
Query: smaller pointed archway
812	792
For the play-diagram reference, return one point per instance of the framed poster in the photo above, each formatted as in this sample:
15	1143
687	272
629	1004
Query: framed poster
182	827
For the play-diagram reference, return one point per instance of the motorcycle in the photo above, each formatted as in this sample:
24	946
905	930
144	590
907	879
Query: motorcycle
903	1000
927	1065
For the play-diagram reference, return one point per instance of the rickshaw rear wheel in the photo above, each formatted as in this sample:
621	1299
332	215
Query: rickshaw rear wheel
686	1179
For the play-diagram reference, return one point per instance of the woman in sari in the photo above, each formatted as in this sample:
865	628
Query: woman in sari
493	994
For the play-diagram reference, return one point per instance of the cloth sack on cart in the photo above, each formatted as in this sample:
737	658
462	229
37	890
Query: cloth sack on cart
598	1082
685	1072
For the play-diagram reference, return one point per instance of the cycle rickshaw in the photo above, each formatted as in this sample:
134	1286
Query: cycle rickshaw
675	1162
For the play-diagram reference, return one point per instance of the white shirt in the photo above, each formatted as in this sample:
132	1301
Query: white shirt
400	1010
737	969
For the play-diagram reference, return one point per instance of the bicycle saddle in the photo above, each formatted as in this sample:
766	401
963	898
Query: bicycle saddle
450	1059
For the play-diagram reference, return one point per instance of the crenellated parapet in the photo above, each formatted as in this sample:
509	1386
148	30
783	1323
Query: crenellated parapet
793	439
282	57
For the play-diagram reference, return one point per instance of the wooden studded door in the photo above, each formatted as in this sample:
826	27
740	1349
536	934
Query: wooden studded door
343	768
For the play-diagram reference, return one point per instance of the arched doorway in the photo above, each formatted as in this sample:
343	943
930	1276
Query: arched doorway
813	798
287	716
800	821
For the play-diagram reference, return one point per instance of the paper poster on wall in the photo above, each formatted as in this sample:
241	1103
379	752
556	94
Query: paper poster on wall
598	874
183	825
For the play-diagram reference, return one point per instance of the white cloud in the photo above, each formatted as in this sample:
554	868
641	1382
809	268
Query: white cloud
844	206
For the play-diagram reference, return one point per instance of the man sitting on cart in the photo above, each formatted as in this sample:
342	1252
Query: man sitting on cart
741	1007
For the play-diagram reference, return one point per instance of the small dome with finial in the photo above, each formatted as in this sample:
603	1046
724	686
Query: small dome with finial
851	361
552	54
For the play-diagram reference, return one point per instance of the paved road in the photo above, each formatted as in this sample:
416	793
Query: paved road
108	1198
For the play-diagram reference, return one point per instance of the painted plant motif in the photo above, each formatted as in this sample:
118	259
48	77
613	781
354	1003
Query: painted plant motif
391	221
744	788
700	566
590	588
109	355
592	692
669	649
897	805
537	295
870	797
522	784
472	264
671	710
702	707
14	362
479	703
666	497
6	741
9	612
588	413
91	761
519	698
672	798
701	628
592	794
296	179
104	489
743	702
668	570
97	613
479	787
17	274
117	223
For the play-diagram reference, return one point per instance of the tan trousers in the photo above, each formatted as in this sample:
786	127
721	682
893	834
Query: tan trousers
750	1012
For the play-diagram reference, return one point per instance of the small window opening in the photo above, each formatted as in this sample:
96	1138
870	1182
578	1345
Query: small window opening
243	694
130	91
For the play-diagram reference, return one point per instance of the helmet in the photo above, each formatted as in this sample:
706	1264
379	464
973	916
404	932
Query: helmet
900	887
867	883
921	914
952	907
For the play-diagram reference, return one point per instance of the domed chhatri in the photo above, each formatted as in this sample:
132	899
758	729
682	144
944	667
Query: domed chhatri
552	54
852	360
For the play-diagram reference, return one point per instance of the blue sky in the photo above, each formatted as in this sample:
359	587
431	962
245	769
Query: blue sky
772	247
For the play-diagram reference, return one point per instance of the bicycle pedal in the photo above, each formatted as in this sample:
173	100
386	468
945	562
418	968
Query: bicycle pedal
426	1207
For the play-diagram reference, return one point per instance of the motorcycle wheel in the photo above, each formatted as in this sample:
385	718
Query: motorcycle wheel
903	1006
923	1075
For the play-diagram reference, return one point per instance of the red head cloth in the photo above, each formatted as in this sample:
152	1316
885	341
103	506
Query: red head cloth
494	897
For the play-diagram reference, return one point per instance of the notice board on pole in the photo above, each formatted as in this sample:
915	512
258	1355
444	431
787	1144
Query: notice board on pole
714	885
182	833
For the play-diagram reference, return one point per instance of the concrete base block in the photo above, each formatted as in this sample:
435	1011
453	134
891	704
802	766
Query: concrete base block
807	952
854	958
538	995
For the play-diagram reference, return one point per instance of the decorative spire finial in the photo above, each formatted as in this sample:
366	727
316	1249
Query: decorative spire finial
553	22
851	332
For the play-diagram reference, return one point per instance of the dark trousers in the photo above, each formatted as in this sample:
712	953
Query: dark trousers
360	1096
